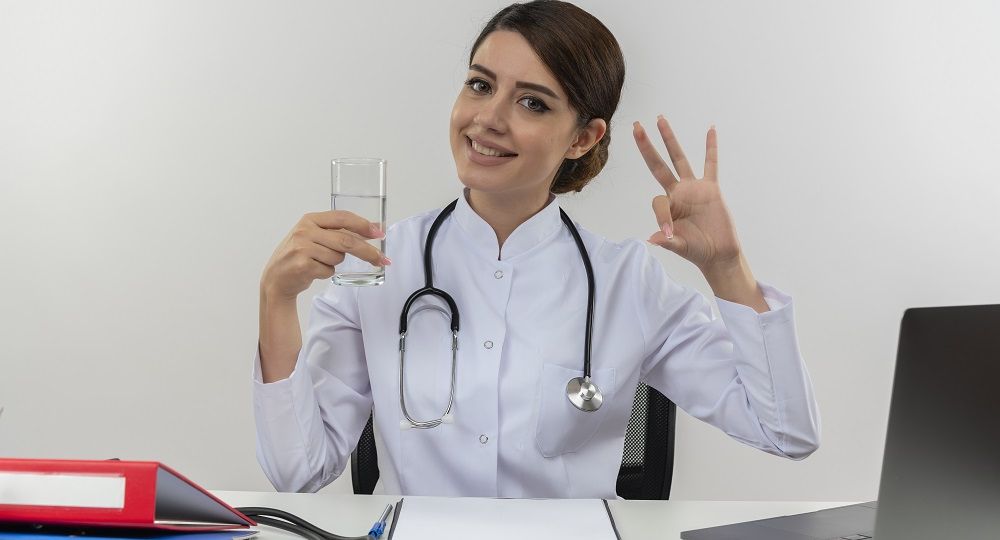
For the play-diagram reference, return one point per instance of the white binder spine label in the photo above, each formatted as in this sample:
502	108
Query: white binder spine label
72	490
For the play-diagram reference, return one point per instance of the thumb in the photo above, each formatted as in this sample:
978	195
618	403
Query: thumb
665	236
661	207
675	244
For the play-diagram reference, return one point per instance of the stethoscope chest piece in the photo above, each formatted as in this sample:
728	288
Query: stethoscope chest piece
584	394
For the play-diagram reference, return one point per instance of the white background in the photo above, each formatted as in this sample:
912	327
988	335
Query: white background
153	154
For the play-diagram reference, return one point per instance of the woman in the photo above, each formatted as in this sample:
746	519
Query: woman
531	121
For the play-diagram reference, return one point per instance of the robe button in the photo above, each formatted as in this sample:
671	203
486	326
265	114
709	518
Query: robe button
488	344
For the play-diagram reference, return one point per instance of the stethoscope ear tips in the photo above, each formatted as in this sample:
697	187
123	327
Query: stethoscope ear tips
448	419
405	424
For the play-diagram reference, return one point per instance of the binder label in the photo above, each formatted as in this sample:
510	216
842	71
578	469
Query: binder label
66	490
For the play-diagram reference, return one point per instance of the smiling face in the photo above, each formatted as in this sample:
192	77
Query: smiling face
512	125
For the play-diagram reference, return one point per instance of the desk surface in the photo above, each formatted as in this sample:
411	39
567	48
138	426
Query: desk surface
636	520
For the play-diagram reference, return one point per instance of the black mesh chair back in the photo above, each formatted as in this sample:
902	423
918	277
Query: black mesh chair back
364	462
647	458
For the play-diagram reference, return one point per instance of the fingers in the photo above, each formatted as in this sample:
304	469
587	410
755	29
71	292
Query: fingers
661	207
342	242
675	243
345	232
712	155
677	156
315	247
665	236
654	162
317	270
342	219
323	255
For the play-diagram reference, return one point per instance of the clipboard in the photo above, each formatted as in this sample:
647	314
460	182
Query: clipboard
501	519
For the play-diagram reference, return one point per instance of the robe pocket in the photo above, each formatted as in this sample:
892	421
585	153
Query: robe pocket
561	427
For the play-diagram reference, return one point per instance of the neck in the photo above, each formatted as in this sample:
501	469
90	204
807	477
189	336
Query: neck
506	211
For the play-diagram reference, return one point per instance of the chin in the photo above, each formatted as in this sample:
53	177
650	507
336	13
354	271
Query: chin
487	181
480	182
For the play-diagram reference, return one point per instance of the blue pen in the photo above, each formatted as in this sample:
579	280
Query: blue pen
379	527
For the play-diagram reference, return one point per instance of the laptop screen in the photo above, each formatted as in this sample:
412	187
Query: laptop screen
941	467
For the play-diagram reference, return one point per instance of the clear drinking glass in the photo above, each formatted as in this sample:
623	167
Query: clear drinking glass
358	186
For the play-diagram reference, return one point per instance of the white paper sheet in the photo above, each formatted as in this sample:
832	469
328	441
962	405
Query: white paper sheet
502	519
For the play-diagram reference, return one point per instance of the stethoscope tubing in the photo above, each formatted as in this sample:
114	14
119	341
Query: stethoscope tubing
451	396
591	293
429	289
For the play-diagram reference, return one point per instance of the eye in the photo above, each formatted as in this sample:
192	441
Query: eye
478	86
533	104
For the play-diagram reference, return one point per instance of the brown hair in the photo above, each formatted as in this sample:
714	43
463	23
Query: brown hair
586	60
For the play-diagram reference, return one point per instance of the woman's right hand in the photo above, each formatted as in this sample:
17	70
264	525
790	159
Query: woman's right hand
317	244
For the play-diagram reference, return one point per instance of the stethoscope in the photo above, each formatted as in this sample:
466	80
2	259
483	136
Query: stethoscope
581	391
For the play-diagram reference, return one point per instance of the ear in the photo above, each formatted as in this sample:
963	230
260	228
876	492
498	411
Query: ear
587	137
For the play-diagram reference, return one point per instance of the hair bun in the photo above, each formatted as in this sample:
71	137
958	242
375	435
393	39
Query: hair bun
574	174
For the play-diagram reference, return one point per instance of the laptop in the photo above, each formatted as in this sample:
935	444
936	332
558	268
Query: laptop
941	467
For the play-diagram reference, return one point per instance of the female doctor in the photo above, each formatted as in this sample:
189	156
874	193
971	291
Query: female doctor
519	416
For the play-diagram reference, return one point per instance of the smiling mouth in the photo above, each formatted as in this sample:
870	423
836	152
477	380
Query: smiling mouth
480	149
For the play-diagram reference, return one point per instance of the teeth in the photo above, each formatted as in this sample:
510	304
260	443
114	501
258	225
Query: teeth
486	151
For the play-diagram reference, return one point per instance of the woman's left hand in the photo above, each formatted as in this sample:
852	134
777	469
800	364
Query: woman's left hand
694	220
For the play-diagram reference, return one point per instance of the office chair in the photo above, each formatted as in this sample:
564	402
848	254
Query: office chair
647	458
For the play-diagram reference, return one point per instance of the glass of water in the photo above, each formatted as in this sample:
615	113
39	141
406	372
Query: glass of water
358	186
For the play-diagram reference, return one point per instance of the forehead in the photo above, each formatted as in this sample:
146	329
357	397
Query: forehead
509	55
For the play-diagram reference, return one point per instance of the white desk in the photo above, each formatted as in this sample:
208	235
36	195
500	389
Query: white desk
636	520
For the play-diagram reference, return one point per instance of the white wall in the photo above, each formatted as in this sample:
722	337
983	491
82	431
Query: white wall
152	155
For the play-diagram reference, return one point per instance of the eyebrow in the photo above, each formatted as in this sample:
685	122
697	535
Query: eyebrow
519	84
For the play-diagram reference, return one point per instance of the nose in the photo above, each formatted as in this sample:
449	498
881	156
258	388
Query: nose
491	115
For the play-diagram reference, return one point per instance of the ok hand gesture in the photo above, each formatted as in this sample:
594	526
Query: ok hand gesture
693	218
694	222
